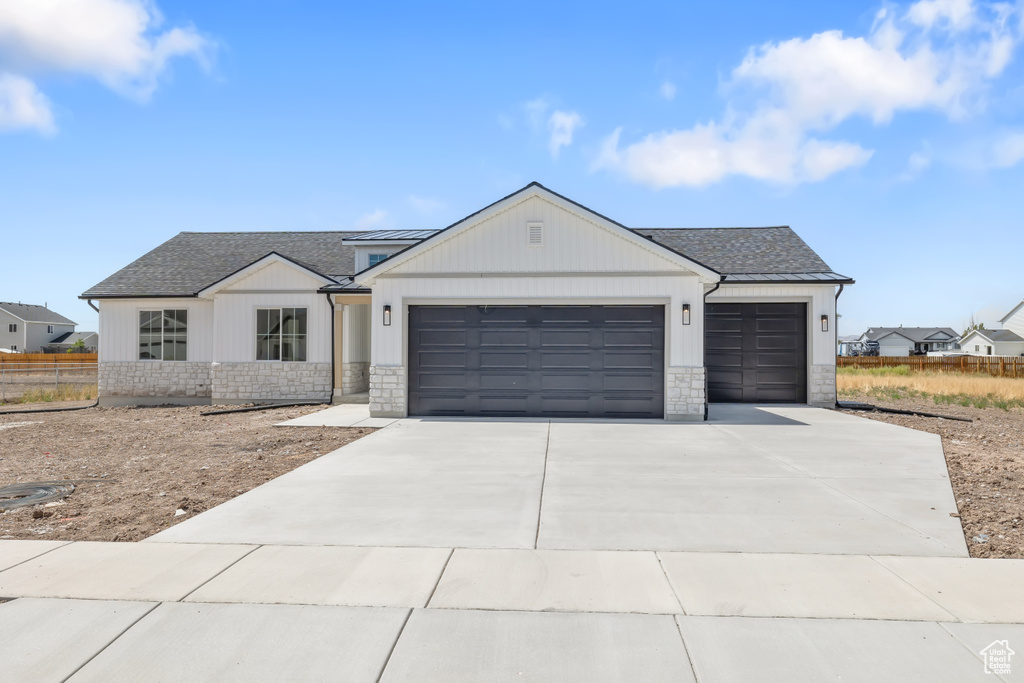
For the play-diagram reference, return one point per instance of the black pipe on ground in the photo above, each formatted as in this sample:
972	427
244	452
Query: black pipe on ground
269	406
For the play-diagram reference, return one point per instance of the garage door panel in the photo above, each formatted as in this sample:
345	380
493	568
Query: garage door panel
756	352
433	359
537	361
580	338
518	338
500	381
776	342
644	339
442	380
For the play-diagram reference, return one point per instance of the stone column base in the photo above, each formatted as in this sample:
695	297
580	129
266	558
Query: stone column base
387	391
822	388
686	396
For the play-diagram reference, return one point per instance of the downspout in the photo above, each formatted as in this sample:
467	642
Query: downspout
330	304
835	344
92	305
703	312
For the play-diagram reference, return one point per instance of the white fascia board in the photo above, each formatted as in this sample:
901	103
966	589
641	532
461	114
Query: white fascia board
259	264
367	276
978	333
1012	313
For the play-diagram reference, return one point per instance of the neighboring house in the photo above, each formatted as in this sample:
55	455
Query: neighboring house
67	341
908	341
849	345
984	342
532	306
26	328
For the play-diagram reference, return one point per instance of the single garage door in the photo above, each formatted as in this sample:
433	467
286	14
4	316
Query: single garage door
537	361
756	353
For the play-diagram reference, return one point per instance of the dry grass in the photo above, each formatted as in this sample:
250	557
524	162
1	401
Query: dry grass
65	392
943	388
933	383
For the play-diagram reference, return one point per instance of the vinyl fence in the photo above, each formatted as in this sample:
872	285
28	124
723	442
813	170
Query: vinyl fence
997	366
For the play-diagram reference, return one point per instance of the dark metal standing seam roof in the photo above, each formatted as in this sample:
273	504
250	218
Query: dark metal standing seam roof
192	261
34	313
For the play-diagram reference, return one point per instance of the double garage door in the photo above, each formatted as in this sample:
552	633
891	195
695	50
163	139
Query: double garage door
537	361
594	361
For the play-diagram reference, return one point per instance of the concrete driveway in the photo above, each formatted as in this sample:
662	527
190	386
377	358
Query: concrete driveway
755	479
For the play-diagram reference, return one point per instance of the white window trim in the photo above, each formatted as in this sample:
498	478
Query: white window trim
370	261
187	335
255	314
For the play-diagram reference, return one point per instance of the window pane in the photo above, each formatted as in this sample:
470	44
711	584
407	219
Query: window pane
263	347
300	321
262	321
274	326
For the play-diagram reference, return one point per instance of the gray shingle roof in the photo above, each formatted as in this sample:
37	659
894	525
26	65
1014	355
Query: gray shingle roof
742	250
70	337
916	334
33	313
191	261
1001	335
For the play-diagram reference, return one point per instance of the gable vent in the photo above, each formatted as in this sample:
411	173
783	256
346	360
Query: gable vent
535	234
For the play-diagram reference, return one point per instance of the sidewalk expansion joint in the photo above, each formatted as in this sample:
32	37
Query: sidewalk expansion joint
543	481
439	577
182	598
112	641
391	652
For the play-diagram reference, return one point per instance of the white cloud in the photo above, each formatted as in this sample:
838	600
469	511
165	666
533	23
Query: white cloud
425	204
927	13
536	111
372	220
562	125
117	42
940	56
917	163
668	90
22	106
1008	150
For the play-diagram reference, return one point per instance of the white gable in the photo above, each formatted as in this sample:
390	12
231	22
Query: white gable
540	233
271	273
1014	320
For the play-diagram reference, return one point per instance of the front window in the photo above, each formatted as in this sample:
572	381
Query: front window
13	327
281	334
163	335
376	258
49	329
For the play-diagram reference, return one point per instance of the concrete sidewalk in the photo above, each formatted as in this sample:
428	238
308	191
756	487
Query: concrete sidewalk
782	479
636	582
140	612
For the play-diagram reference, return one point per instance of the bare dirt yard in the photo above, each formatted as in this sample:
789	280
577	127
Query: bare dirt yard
985	460
134	468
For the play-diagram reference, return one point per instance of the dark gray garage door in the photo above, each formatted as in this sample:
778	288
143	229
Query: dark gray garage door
756	353
537	361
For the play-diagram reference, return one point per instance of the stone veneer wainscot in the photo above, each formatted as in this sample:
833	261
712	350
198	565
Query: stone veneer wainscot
154	378
271	381
686	397
387	390
823	386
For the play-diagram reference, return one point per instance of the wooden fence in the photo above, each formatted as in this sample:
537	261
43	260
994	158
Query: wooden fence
30	361
997	366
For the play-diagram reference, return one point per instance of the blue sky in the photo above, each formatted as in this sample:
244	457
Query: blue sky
889	136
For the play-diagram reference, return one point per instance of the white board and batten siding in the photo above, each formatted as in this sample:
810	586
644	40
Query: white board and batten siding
578	261
685	345
223	328
821	300
570	244
276	285
1015	322
119	327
